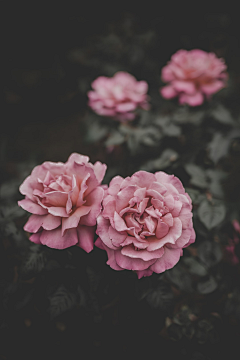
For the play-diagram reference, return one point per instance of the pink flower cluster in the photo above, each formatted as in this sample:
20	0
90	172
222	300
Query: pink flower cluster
143	221
118	96
192	76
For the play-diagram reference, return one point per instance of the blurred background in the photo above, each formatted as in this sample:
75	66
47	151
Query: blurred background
51	56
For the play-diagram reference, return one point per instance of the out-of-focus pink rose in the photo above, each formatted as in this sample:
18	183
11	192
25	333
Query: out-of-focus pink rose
193	75
65	200
145	222
118	96
229	250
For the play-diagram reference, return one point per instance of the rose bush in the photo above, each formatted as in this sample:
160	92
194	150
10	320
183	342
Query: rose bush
118	96
193	75
65	200
145	222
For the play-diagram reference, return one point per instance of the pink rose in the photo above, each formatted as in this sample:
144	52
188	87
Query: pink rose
118	96
145	222
65	200
193	74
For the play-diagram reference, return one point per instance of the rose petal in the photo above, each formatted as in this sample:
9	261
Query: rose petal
94	201
167	261
86	237
99	170
102	230
174	233
32	207
143	273
162	229
128	263
73	220
141	254
55	240
35	238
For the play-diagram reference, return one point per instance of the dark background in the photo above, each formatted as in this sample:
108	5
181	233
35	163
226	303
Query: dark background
43	107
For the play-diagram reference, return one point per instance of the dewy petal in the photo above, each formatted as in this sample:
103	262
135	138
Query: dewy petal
94	201
99	170
73	220
85	237
55	240
141	254
32	207
128	263
167	261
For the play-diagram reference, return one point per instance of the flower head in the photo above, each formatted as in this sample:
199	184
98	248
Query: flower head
65	200
192	76
118	96
145	222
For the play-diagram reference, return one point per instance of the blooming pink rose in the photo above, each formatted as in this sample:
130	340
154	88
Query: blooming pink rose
145	222
118	96
193	74
65	200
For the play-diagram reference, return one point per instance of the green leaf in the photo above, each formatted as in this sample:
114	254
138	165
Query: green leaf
115	138
210	253
208	286
194	266
167	158
198	175
218	147
211	215
223	115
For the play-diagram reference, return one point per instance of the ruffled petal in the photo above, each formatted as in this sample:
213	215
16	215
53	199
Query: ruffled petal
54	238
167	261
32	207
94	201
